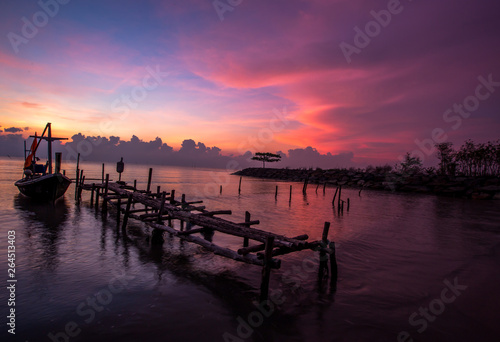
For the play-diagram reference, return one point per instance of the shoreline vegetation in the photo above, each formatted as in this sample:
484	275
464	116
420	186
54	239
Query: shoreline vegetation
472	171
382	178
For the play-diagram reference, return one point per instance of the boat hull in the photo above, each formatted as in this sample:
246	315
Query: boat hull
44	188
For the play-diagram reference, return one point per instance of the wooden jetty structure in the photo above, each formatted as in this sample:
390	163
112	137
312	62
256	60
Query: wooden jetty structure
197	225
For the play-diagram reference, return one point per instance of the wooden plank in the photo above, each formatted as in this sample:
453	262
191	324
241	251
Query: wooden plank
260	247
217	212
222	251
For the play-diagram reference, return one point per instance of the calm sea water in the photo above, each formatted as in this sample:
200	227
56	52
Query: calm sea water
416	265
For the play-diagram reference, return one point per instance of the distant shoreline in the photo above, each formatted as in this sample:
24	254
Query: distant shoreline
479	187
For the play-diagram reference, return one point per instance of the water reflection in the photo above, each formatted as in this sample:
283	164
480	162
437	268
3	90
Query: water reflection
52	215
44	223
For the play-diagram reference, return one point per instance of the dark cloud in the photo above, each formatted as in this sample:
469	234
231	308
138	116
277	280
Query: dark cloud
11	144
13	130
190	154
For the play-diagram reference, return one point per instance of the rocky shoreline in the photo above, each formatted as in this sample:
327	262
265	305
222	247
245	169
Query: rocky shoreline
456	186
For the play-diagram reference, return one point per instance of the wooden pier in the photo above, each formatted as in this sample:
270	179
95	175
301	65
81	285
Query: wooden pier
197	225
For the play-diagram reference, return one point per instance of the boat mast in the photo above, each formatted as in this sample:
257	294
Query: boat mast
49	140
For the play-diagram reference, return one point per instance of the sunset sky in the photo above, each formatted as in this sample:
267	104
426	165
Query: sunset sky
265	75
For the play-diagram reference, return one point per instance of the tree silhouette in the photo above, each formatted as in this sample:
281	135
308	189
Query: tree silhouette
266	157
411	164
446	155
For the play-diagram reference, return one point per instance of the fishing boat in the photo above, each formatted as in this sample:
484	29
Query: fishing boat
39	182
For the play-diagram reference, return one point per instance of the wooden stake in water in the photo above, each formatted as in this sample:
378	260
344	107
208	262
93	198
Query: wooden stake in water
105	196
323	259
77	175
162	205
92	195
148	189
333	266
97	199
334	196
276	193
102	173
290	200
239	187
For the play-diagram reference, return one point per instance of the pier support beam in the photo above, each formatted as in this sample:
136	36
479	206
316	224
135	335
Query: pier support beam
323	258
127	212
266	269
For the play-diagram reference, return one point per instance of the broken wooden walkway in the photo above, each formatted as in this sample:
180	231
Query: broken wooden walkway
197	225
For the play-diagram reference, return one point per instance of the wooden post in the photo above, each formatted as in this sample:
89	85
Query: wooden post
102	173
333	200
348	204
324	188
317	188
149	180
127	212
148	188
276	193
183	201
172	197
340	194
92	195
333	266
290	200
220	189
157	237
162	205
266	269
80	183
304	188
97	198
323	258
104	198
118	212
77	174
81	188
135	184
239	186
359	193
158	195
247	219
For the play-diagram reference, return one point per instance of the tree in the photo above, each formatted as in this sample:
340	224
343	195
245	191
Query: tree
266	157
446	155
411	164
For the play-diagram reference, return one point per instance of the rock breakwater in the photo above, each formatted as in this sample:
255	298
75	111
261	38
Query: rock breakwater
457	186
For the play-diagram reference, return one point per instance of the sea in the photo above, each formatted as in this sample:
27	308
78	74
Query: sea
411	267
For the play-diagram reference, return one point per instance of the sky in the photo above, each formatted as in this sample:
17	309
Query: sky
348	81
